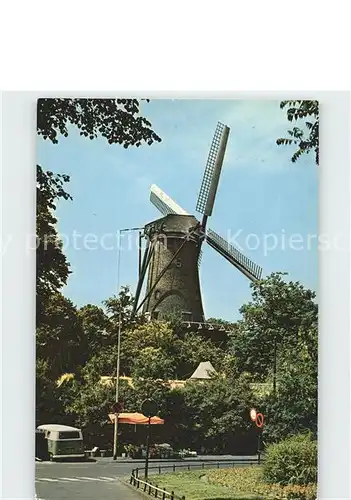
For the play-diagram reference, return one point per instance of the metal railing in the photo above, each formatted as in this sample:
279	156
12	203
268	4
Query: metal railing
157	492
152	489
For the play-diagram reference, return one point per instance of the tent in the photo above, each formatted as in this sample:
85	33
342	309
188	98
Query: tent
136	418
203	371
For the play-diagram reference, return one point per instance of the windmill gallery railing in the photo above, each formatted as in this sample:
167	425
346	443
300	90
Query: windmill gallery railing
138	479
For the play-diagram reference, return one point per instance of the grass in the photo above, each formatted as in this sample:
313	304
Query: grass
200	485
238	483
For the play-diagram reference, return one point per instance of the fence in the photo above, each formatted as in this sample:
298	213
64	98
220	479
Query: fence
157	492
153	490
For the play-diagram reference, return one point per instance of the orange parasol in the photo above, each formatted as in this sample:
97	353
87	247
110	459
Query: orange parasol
136	418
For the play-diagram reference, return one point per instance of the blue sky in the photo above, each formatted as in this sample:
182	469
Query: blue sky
260	193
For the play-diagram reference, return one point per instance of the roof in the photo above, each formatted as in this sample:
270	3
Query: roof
57	427
203	371
110	381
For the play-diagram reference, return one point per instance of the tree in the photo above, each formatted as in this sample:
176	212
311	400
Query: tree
216	412
285	313
144	341
101	363
60	337
153	363
122	304
62	345
90	411
93	404
47	405
192	350
52	266
299	110
118	120
95	324
294	409
273	324
153	350
227	325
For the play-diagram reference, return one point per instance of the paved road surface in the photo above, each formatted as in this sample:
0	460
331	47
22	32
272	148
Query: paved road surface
88	481
100	480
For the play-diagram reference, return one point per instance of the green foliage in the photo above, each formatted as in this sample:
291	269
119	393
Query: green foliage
94	324
279	311
154	363
150	389
228	325
84	341
153	350
216	411
52	265
294	409
118	120
93	404
47	406
60	338
175	321
212	414
191	350
121	306
292	461
151	342
302	110
53	399
102	363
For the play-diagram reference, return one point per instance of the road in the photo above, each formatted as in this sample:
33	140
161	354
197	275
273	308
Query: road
87	480
92	480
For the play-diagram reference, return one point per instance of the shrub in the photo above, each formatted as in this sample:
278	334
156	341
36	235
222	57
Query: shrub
292	461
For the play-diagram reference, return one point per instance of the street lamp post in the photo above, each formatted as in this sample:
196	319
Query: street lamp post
149	409
115	438
147	449
118	406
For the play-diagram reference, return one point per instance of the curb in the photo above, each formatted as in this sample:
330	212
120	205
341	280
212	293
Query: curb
154	460
170	460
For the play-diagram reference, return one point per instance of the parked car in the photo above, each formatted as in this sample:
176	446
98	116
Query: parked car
63	441
188	453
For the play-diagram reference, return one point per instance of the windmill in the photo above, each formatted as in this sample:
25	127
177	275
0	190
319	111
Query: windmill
172	254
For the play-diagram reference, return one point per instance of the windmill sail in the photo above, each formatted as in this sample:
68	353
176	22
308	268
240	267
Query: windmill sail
164	203
176	244
213	169
234	256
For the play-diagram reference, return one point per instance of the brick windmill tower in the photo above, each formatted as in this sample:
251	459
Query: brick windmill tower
172	253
